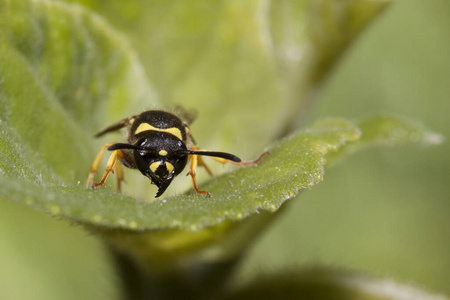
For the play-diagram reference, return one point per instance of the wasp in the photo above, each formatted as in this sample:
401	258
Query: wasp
160	145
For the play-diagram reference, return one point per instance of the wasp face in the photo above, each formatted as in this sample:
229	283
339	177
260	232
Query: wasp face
158	159
156	146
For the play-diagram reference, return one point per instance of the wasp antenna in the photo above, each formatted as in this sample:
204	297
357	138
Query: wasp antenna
118	146
224	155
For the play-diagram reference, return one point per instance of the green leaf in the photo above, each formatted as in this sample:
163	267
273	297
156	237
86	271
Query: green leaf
64	70
388	130
295	163
328	284
36	168
74	66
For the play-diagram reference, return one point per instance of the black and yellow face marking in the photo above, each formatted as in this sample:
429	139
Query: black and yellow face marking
159	145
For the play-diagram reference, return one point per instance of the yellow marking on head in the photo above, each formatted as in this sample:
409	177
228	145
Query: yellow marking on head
169	167
162	152
173	130
154	166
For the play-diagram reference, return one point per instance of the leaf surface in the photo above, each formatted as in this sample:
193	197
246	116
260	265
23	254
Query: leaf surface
294	164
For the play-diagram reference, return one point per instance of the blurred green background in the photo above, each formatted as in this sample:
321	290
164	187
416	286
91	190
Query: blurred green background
383	211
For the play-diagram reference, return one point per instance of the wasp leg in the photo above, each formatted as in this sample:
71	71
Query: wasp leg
119	173
192	170
109	167
201	162
123	160
96	164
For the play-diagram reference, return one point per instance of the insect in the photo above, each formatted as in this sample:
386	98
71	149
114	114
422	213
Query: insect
160	145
